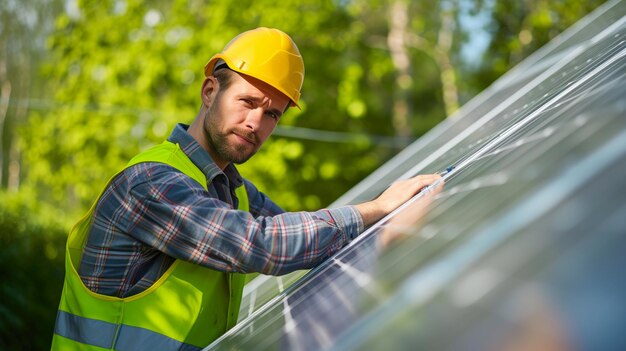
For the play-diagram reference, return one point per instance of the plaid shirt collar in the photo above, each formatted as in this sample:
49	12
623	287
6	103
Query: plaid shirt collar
202	159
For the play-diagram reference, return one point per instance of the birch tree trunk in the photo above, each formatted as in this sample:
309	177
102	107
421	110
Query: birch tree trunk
442	57
396	41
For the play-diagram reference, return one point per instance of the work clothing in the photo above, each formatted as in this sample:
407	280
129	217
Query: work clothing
149	196
153	209
188	307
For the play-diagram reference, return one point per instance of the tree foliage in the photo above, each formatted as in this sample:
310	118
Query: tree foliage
121	82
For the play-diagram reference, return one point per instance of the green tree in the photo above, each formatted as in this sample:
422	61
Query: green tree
120	84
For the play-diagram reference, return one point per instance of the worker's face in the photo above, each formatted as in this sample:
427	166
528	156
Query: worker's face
239	119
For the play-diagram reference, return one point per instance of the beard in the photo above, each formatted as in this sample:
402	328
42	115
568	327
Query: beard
219	140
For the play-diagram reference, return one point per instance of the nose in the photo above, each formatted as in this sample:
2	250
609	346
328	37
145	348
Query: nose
253	119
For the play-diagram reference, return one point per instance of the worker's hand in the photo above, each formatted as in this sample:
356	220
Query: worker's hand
397	194
408	220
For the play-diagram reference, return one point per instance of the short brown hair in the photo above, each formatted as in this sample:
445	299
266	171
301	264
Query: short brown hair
224	76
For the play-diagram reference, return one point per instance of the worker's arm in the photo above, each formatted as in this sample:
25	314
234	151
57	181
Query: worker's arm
173	214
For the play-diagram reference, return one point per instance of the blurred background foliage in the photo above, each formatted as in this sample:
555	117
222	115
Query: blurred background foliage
85	85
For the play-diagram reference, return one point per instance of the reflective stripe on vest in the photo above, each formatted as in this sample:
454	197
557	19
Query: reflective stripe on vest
185	309
103	334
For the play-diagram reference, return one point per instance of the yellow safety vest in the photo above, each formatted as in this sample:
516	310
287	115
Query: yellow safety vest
186	309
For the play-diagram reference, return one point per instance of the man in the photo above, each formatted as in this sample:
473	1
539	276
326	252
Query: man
157	262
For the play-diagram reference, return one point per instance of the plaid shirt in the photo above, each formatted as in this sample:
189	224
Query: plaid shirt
151	214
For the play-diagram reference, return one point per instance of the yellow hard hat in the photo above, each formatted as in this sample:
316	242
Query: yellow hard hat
267	54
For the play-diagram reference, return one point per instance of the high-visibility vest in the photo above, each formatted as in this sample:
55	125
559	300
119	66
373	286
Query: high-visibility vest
186	309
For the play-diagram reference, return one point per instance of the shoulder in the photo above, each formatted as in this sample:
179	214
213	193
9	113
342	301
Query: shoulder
155	175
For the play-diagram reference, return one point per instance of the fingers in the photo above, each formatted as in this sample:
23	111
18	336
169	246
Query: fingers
407	220
417	183
394	196
401	191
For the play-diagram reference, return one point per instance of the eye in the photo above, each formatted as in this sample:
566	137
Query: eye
272	115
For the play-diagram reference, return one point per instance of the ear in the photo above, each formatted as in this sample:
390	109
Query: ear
209	90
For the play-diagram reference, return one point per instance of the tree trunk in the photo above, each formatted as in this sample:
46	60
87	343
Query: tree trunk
442	56
396	41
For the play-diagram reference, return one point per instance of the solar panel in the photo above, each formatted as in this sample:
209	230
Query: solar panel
522	248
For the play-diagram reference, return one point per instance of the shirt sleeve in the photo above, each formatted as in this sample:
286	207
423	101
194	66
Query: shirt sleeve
175	215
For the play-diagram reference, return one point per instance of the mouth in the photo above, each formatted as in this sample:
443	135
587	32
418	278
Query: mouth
246	137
